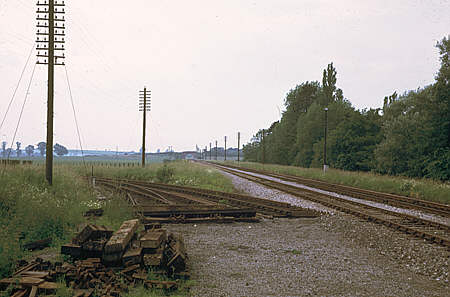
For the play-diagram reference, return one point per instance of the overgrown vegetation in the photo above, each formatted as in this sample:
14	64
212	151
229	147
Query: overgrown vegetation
31	210
409	136
417	188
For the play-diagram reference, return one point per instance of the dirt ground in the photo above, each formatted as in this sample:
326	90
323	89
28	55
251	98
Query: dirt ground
303	257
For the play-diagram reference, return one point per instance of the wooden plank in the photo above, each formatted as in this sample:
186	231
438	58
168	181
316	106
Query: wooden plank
48	286
132	256
25	268
152	260
37	274
153	239
33	291
120	239
38	244
71	249
25	281
19	293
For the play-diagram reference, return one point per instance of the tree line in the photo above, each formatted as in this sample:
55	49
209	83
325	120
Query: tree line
58	149
409	135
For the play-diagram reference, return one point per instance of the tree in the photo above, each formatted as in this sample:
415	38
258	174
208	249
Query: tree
18	151
330	92
29	150
41	147
60	150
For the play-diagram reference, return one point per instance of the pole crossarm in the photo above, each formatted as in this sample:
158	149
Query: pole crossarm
50	17
144	106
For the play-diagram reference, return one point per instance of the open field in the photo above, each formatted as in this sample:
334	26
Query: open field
417	188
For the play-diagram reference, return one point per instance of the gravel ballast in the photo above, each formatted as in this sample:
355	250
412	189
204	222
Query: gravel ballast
332	255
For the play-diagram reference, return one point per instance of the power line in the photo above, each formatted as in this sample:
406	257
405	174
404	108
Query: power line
75	116
21	113
17	86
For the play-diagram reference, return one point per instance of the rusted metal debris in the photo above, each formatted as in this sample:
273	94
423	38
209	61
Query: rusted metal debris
132	255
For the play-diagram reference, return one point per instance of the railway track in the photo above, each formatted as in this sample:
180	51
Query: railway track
178	200
385	198
432	231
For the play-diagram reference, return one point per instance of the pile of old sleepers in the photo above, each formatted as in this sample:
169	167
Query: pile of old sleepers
106	263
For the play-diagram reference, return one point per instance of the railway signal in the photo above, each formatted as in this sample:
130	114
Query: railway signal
50	38
144	106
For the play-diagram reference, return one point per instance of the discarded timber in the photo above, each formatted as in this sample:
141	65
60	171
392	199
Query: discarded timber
116	245
183	220
38	244
196	213
92	232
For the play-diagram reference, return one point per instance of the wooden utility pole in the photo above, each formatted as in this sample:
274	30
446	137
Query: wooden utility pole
144	106
210	152
325	141
263	146
216	150
46	12
239	143
225	150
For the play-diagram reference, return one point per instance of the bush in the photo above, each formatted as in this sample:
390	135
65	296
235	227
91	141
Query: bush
165	174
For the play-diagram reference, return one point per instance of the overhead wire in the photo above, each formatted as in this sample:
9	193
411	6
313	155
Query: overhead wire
20	116
75	116
17	86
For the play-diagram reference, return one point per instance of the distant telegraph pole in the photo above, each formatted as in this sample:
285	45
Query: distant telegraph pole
144	106
225	150
263	146
239	143
216	150
210	152
325	141
47	42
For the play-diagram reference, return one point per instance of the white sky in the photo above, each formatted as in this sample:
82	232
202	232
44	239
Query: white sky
214	67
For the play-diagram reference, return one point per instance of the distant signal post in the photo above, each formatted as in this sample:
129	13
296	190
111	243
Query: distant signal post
144	106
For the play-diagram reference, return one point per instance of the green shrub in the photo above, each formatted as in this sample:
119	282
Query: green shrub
165	174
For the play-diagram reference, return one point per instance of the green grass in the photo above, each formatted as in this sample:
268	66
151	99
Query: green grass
418	188
182	173
31	210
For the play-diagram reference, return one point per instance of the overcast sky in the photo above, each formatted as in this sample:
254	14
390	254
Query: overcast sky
214	67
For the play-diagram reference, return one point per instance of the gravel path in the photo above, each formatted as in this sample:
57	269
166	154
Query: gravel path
333	255
298	257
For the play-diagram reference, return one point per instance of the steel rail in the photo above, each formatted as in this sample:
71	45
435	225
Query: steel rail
429	230
386	198
264	206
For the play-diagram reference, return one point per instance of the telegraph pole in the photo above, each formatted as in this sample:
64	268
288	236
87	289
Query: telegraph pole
210	152
216	150
53	19
225	150
144	106
264	146
239	143
325	141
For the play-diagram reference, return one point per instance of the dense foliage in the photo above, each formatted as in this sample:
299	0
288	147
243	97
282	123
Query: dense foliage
409	136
